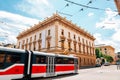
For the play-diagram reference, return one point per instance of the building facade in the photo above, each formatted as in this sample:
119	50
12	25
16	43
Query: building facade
56	35
8	45
117	55
107	50
117	3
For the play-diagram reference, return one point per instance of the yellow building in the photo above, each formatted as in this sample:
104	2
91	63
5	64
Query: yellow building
107	50
10	45
117	3
58	35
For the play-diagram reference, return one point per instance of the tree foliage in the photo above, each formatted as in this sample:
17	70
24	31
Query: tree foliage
99	54
108	58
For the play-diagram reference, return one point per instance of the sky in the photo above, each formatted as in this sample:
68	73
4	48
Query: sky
99	18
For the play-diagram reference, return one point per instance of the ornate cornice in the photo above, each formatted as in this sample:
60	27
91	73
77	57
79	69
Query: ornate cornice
55	18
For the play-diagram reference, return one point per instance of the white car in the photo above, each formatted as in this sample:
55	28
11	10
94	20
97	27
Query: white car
106	64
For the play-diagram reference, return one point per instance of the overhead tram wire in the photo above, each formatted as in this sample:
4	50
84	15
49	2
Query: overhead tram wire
82	8
89	2
64	7
60	12
65	14
87	6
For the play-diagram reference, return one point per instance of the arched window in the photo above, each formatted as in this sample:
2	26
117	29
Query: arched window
26	43
40	36
48	44
23	43
69	46
75	47
83	46
62	44
62	32
30	43
48	32
78	38
74	37
39	46
30	39
68	34
79	47
35	38
34	43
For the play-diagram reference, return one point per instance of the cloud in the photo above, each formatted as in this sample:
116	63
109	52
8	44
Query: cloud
101	40
37	8
11	24
109	22
17	18
116	36
90	14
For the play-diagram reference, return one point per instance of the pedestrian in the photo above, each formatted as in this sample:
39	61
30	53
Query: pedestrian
118	65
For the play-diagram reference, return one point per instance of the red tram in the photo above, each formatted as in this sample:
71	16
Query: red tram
23	64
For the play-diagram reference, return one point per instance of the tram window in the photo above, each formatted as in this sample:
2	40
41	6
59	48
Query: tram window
40	59
8	59
71	61
76	61
65	60
13	58
2	57
59	60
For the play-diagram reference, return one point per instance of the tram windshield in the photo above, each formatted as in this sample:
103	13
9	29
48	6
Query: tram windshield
7	59
2	59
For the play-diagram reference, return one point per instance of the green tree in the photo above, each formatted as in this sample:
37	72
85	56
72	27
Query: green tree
108	58
101	54
97	52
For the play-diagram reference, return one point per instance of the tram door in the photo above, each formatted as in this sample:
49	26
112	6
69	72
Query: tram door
76	65
50	66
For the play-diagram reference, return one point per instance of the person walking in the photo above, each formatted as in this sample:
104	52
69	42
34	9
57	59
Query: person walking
118	65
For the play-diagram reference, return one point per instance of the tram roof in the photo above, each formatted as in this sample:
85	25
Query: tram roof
53	54
43	53
11	49
35	52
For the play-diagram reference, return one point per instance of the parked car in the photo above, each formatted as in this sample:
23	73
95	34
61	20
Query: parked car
106	64
98	65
